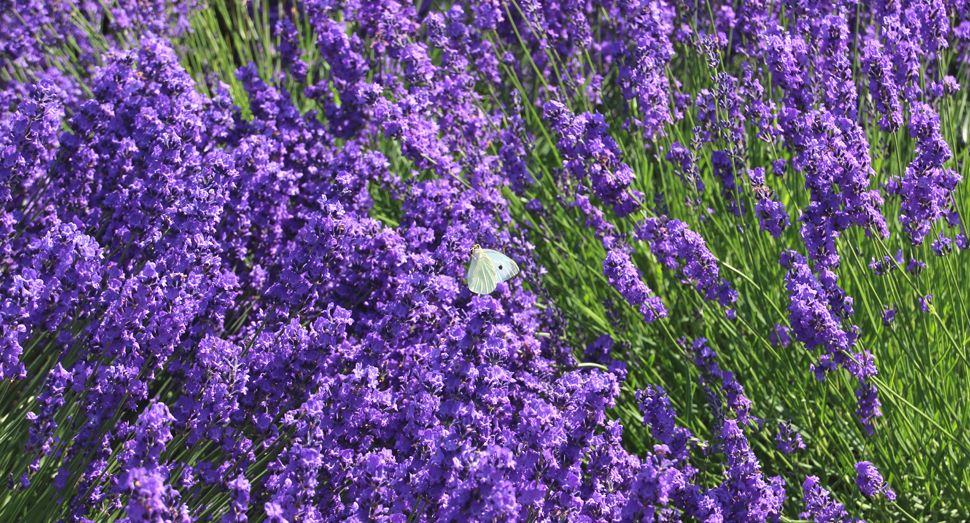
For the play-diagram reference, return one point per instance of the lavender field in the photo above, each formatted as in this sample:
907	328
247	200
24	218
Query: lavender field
236	261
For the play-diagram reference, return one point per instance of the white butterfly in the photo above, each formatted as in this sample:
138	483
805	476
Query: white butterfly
488	268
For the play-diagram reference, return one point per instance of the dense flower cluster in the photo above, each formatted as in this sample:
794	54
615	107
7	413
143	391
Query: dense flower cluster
817	309
166	272
592	156
788	440
624	277
682	249
771	213
215	313
59	41
870	481
927	187
668	479
821	506
236	258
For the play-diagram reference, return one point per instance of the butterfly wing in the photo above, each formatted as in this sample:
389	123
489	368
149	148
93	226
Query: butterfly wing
481	275
505	267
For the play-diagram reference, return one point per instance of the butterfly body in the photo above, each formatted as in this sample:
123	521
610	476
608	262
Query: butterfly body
489	268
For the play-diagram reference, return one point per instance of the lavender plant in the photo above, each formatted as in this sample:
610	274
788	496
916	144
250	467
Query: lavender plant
234	239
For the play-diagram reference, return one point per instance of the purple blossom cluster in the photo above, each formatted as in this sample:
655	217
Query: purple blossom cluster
715	380
927	187
887	264
234	260
593	158
681	249
828	143
667	477
817	310
724	170
229	266
210	318
686	166
60	41
821	506
625	278
788	440
870	482
772	216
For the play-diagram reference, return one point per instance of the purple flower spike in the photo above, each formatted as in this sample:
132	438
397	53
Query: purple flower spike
888	314
915	267
593	157
686	166
625	278
780	336
870	482
771	212
788	440
723	382
659	416
927	186
879	69
821	506
817	308
724	170
679	248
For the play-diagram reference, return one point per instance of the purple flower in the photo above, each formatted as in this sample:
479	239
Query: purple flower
834	153
724	170
788	440
787	59
927	187
925	302
888	314
820	505
42	423
885	93
750	496
870	482
625	278
596	220
593	157
915	267
240	501
816	310
834	63
686	166
290	50
275	291
679	248
778	167
771	213
717	382
780	336
884	266
942	245
665	482
867	395
659	416
150	498
644	50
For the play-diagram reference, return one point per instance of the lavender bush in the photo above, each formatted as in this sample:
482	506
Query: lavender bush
233	241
